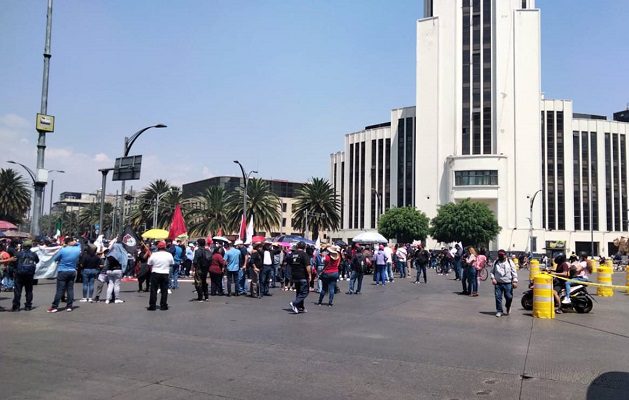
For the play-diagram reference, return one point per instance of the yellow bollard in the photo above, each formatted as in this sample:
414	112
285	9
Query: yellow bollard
516	263
604	276
627	280
594	264
543	297
534	269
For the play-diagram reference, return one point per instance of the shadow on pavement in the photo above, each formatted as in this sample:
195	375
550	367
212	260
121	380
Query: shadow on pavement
610	385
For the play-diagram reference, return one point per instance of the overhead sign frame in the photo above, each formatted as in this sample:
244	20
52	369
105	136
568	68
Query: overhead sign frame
127	168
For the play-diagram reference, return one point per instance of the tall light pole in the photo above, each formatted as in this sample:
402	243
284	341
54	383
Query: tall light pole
379	202
531	202
157	199
128	142
245	179
52	188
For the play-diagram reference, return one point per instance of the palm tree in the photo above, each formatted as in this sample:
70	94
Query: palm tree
210	212
90	215
15	197
317	201
144	207
70	223
262	203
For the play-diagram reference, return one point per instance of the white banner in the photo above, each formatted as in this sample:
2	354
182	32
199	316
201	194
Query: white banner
46	268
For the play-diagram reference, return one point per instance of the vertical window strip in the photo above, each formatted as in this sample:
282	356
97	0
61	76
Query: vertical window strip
585	177
374	174
408	164
576	173
594	179
623	180
544	170
400	162
608	183
387	178
362	185
616	187
351	187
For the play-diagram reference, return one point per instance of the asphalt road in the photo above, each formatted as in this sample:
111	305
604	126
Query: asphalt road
402	341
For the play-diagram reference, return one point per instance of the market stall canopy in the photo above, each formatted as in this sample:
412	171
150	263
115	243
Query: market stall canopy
369	237
5	225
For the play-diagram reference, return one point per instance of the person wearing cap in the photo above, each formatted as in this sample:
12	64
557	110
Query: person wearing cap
504	277
329	275
232	259
301	273
67	259
161	263
244	260
187	264
26	264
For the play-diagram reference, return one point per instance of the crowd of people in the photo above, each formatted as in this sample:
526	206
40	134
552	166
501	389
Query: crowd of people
241	269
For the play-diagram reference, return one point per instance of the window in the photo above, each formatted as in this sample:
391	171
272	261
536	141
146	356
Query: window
362	185
576	172
400	162
476	178
623	179
351	186
373	183
387	176
608	183
285	206
408	163
594	179
283	222
342	191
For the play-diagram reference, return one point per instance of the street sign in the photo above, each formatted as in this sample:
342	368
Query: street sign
45	123
127	168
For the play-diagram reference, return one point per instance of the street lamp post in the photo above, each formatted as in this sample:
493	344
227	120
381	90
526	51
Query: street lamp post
158	198
531	202
52	188
128	142
378	201
245	178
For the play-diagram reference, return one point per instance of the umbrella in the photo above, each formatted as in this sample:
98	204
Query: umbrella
369	238
15	234
294	239
4	225
340	243
159	234
221	239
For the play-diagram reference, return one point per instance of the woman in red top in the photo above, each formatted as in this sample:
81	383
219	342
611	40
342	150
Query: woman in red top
217	266
330	274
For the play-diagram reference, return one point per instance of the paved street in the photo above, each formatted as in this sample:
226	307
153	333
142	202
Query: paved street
402	341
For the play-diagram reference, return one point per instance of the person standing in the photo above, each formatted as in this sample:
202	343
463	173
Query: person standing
266	272
388	271
458	262
144	273
232	261
161	263
116	267
504	277
422	259
380	260
201	263
176	251
90	263
301	272
242	272
187	264
67	259
26	262
401	261
217	265
329	275
358	272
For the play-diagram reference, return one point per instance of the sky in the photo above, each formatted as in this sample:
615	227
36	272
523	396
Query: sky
275	84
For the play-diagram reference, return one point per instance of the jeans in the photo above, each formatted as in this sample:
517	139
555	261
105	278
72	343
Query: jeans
356	282
421	269
319	283
174	277
242	276
254	287
114	283
265	275
201	281
275	274
302	289
89	275
159	281
329	285
389	272
503	289
472	281
65	283
23	281
458	270
232	276
401	267
463	278
381	271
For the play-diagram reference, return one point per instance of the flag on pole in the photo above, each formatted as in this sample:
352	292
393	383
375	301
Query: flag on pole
243	227
129	240
177	225
318	244
250	230
57	229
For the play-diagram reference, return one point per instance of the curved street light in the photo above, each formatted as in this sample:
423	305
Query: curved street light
52	188
245	178
531	202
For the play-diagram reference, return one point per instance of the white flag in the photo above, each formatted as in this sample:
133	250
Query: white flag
250	231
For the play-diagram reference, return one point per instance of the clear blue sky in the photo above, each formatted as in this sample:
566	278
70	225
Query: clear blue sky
274	83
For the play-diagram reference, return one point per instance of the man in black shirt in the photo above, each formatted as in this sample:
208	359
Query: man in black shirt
301	274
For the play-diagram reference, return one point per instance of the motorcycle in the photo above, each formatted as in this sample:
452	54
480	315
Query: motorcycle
580	300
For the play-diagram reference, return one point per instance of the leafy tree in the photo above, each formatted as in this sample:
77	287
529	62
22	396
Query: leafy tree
210	212
404	224
261	202
317	201
15	197
470	222
90	215
144	205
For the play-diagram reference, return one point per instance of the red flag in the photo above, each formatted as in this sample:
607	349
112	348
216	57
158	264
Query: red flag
220	232
243	228
177	225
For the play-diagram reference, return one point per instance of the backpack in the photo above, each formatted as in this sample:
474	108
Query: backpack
26	263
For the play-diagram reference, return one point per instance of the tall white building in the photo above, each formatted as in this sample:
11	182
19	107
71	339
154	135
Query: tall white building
482	130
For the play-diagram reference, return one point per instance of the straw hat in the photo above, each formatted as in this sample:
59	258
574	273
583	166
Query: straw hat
334	252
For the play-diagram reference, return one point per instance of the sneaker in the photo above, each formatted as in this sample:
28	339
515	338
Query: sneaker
170	291
566	300
69	309
292	307
415	282
558	311
164	308
83	300
52	310
303	310
149	308
118	301
106	301
90	301
498	314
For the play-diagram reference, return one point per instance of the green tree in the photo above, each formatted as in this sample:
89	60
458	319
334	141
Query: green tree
70	223
90	215
404	224
210	212
15	197
143	209
470	222
318	203
261	202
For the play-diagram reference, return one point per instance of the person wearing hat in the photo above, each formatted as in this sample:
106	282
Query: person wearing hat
301	273
161	263
504	277
330	274
26	264
232	259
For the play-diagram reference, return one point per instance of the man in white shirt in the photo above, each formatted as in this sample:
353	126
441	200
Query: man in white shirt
388	271
161	262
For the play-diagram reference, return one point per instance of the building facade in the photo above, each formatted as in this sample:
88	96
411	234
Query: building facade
481	129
